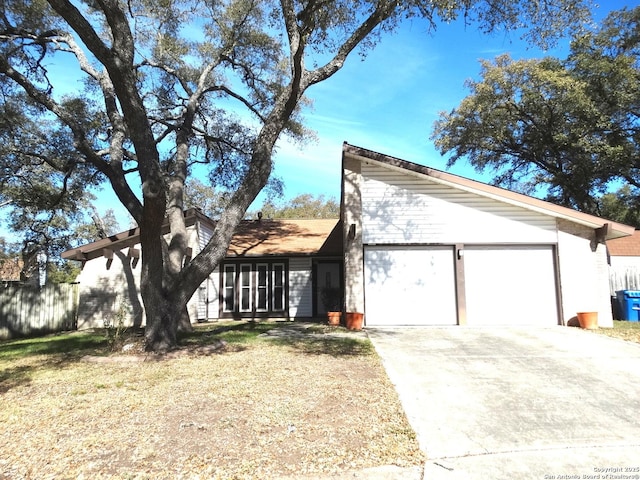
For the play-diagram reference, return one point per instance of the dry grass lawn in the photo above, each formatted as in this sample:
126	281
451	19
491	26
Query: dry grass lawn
622	329
260	407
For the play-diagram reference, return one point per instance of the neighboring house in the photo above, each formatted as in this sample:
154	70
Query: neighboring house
425	247
624	252
273	269
624	261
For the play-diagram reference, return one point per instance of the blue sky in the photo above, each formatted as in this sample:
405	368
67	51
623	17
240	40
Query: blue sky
387	103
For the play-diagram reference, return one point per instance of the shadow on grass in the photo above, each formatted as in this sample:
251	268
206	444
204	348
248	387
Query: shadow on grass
14	377
234	331
69	345
53	351
327	345
307	337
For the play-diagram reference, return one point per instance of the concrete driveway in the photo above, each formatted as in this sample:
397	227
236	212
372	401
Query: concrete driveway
540	403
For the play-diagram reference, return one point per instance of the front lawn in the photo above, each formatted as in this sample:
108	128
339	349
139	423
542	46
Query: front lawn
623	329
263	406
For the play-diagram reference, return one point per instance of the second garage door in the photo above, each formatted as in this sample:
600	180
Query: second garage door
510	285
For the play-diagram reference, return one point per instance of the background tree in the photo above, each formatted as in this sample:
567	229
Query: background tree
183	82
305	205
567	130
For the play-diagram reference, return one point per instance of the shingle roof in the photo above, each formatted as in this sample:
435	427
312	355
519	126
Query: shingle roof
252	238
287	237
625	246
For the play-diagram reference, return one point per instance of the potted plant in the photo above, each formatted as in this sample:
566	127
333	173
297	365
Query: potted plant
588	320
332	301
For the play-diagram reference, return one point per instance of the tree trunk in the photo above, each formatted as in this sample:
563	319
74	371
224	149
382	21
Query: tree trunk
162	326
184	321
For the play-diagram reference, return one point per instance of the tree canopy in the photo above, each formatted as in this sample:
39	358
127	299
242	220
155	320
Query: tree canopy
178	85
567	129
304	205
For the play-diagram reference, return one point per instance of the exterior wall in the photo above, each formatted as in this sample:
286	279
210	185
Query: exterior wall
583	273
624	262
300	288
352	219
399	207
110	287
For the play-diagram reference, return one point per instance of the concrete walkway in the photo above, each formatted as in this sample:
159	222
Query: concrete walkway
497	403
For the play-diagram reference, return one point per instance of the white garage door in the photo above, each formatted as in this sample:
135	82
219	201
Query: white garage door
410	286
510	285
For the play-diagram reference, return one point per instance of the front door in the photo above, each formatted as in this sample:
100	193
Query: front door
327	280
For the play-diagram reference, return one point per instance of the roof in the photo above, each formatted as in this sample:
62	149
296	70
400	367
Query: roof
613	229
287	237
10	269
252	238
127	239
625	246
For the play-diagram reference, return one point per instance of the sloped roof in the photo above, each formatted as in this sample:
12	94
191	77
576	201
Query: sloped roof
287	237
252	238
126	239
625	246
614	229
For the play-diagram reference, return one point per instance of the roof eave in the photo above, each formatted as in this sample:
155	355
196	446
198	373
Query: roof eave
615	229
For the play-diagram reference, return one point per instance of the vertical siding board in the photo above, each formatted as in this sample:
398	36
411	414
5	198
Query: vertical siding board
300	288
401	208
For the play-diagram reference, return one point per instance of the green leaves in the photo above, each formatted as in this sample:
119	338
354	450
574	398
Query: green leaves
564	129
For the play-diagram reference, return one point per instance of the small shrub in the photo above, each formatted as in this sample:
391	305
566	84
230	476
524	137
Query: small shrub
115	331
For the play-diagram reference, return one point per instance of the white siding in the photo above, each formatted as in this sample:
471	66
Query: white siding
300	288
404	208
204	236
624	262
108	287
583	274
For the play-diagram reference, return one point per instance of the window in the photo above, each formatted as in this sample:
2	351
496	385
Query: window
278	287
262	287
245	288
254	288
228	293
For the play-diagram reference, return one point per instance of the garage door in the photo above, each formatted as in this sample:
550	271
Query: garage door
410	286
510	285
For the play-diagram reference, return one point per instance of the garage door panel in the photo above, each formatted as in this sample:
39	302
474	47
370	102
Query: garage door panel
510	285
410	286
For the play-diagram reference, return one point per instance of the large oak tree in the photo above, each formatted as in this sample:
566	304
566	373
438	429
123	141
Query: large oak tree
565	129
172	84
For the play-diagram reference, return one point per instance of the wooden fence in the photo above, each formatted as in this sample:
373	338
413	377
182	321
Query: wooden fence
623	278
26	310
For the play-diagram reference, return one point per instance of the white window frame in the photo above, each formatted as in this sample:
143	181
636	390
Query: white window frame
266	288
229	269
275	286
245	291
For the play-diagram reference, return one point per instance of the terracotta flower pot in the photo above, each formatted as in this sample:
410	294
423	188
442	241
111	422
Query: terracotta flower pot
354	320
588	320
334	318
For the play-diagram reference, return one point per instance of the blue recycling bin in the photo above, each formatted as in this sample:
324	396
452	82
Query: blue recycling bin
629	302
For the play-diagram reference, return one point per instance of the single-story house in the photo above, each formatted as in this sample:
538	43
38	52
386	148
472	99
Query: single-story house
624	252
273	269
413	246
425	247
